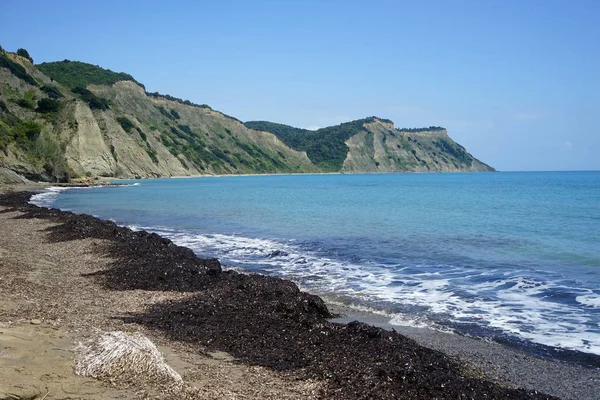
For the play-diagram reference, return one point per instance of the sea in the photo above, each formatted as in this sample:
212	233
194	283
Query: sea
509	256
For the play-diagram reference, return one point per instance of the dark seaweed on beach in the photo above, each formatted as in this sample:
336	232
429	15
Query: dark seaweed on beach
358	361
267	321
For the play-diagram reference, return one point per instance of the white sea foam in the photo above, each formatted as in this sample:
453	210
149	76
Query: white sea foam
47	197
412	321
511	304
590	300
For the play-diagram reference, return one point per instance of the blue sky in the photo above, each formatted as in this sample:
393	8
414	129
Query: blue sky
515	82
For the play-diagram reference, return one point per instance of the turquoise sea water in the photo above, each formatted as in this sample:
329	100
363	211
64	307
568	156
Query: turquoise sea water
512	255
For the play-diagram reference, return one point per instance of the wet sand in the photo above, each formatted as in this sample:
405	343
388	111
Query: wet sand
241	336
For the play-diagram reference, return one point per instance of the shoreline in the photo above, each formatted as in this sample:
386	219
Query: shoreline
426	335
372	317
48	306
544	351
505	363
537	374
295	174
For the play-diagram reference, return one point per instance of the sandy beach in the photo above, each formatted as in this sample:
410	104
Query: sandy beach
64	278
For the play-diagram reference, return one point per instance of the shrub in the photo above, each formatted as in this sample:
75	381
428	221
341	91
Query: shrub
175	114
152	154
126	124
24	53
455	150
75	73
50	155
26	104
429	129
186	129
3	106
12	129
80	90
5	138
157	95
30	129
113	151
93	101
143	136
164	112
98	103
16	69
52	92
48	106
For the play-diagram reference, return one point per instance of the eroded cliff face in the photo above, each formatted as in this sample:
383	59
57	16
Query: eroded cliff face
100	146
189	140
86	151
137	136
52	132
382	148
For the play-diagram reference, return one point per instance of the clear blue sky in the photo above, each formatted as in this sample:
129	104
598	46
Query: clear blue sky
516	82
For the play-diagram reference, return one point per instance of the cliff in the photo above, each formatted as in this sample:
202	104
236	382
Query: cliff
70	119
375	145
380	147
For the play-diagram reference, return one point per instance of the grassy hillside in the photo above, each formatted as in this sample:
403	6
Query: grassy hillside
70	119
325	147
16	69
383	148
84	120
21	132
374	145
75	73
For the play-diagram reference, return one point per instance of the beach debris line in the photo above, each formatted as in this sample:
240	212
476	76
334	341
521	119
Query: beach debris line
266	321
121	356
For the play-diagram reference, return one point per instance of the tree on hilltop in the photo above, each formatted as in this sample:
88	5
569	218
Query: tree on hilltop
24	53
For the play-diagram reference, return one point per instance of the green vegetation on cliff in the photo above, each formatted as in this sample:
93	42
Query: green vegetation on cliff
52	92
93	101
13	129
291	136
325	147
221	151
43	152
416	130
157	95
46	106
16	69
24	53
351	147
455	150
75	73
46	134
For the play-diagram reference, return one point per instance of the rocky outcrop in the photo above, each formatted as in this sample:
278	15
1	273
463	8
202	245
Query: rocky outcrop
382	148
9	177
